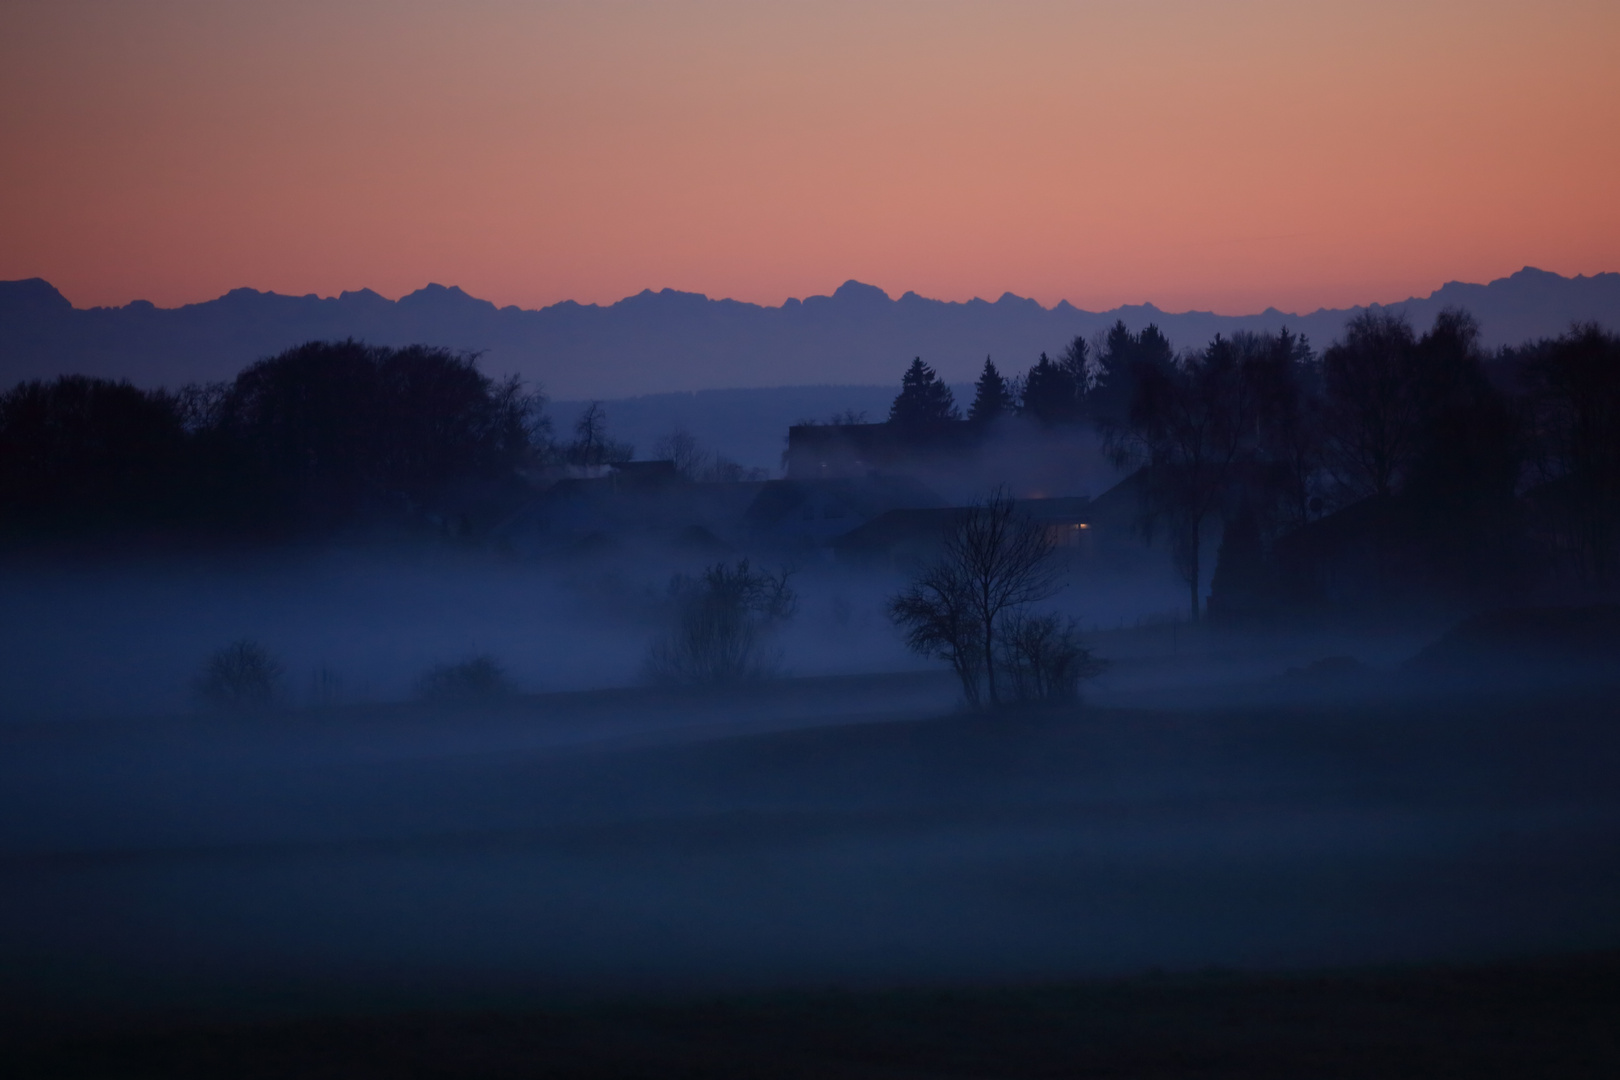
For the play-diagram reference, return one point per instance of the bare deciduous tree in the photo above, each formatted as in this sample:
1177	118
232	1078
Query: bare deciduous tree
933	611
681	448
995	560
591	445
241	677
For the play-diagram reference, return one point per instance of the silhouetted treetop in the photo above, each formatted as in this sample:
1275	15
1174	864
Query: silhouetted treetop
1572	384
79	452
923	399
1111	385
591	445
341	426
991	397
1372	404
1051	393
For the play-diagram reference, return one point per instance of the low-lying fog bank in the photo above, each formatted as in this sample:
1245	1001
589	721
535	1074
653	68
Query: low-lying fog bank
130	638
1280	798
367	857
363	625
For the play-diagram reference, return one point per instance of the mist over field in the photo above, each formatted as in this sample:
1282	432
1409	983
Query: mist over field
367	681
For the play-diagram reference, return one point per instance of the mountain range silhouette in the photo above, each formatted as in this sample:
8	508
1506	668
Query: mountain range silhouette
656	342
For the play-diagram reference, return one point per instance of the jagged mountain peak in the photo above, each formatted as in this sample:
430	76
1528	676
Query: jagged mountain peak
670	340
859	292
32	295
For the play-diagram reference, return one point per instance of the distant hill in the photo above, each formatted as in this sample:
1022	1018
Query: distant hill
673	341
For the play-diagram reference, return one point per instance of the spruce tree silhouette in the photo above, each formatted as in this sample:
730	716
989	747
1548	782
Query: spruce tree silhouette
923	399
1107	397
1050	393
990	395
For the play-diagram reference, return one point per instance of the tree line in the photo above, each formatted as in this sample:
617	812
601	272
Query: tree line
1396	459
1087	380
322	437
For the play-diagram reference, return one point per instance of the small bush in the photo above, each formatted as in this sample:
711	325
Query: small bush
721	628
326	689
1045	658
477	680
241	677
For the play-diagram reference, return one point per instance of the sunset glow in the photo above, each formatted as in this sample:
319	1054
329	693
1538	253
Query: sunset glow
1212	155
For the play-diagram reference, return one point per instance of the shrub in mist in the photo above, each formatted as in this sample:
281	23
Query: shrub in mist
242	677
477	680
721	626
325	688
1044	658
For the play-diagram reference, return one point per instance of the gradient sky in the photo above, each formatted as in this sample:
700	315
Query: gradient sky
1204	154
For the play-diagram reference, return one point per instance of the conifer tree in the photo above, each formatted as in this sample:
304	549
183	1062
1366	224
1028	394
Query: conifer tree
1050	393
990	395
923	399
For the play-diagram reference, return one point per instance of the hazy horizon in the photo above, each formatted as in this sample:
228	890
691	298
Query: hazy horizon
429	288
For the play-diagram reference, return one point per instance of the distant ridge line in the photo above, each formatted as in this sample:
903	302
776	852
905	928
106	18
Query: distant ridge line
668	340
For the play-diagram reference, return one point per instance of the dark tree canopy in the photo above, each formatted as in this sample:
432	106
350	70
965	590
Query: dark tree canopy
1051	393
341	427
1195	428
1573	389
1076	362
1416	424
923	399
1290	436
1372	404
1467	452
991	397
83	453
1398	444
307	440
1111	384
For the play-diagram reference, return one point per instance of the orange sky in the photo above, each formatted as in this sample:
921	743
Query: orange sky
1207	154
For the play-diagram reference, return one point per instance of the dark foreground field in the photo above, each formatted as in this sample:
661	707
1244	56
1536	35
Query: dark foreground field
418	893
1532	1020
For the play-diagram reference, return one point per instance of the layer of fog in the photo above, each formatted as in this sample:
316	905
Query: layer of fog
854	827
313	862
129	637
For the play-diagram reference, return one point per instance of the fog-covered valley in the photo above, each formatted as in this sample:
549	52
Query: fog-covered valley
850	830
1217	798
452	706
